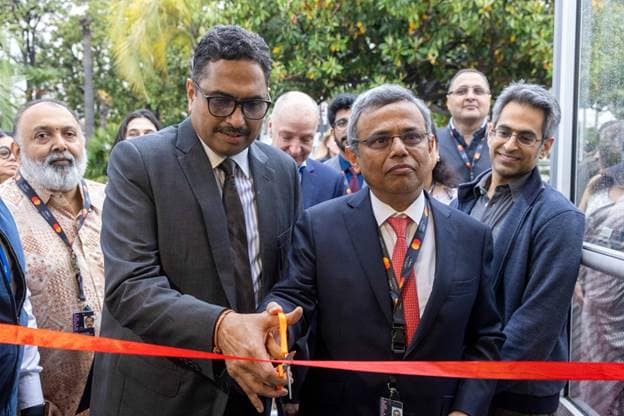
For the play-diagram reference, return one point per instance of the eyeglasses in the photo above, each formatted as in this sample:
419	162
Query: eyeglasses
381	142
5	152
221	106
461	91
341	124
525	138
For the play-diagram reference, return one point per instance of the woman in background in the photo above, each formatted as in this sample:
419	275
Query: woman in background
441	183
136	124
8	161
600	296
326	148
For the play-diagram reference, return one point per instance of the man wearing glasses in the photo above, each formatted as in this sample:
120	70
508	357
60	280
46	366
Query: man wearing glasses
383	274
338	114
198	219
463	144
538	235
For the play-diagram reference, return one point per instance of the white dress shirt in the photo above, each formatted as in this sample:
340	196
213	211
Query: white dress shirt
424	267
245	188
29	390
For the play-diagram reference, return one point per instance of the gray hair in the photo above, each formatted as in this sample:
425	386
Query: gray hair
381	96
16	121
532	95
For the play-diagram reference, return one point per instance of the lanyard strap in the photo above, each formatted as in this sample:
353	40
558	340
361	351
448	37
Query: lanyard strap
461	149
396	284
45	212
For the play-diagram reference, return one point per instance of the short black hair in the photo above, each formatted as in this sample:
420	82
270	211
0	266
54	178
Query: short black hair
468	71
32	103
141	113
230	42
342	101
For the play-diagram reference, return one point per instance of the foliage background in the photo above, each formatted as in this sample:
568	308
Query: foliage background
141	50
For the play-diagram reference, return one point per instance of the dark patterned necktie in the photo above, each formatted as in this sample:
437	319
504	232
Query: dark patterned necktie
238	240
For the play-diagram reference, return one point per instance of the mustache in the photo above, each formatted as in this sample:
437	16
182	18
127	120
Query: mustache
56	156
232	131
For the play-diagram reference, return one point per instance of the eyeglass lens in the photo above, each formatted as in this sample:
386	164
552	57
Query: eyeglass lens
409	139
5	152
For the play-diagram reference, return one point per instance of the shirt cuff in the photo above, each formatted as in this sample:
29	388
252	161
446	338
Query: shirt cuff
29	393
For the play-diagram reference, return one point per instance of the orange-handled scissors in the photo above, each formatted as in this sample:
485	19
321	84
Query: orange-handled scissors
283	369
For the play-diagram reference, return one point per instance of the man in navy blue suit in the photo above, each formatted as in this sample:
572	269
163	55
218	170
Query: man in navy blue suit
386	274
292	127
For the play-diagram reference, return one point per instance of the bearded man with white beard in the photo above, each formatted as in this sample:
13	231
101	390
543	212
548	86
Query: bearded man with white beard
58	216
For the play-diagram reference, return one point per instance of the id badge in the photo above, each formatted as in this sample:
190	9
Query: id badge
389	407
84	322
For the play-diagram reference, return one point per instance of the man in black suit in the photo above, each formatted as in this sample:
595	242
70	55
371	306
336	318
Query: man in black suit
196	224
292	127
385	274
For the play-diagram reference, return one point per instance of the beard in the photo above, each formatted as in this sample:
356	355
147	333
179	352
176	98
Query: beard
61	178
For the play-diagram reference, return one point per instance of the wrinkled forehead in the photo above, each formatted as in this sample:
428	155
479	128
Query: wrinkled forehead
469	79
47	115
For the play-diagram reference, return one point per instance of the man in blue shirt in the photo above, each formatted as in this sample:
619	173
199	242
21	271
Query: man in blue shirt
338	114
292	127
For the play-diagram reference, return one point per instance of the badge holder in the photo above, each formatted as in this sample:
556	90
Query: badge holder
391	406
84	322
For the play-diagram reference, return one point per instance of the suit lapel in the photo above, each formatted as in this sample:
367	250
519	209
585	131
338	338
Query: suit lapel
364	235
263	177
446	241
513	222
198	172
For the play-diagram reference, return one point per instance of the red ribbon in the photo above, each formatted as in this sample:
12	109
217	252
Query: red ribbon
501	370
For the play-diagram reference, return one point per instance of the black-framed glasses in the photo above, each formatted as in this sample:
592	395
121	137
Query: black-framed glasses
462	91
384	141
341	124
5	152
223	106
525	138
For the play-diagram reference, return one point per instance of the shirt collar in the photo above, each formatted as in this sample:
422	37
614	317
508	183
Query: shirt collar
215	159
303	164
344	163
514	186
478	134
383	211
46	194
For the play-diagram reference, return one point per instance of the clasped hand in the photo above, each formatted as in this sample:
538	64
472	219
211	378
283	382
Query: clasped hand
252	335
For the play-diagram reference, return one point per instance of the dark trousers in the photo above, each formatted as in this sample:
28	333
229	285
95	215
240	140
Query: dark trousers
505	412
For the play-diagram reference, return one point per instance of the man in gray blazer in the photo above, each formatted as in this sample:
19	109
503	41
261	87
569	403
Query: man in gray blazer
196	226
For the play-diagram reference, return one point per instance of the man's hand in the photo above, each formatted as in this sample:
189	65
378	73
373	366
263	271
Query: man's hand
244	335
457	413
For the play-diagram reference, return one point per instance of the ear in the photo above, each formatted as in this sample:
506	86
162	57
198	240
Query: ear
351	156
490	132
435	154
270	127
15	149
546	147
190	94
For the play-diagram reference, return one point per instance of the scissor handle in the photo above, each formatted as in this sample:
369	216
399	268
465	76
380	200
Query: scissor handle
283	333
